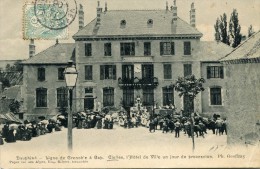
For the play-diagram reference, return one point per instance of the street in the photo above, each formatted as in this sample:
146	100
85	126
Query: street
113	148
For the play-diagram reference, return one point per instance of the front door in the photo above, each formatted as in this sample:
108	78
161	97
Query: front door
128	98
89	103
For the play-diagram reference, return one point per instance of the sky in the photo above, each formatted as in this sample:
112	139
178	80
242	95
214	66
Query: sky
13	46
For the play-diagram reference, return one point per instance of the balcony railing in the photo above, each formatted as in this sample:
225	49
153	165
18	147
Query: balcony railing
137	83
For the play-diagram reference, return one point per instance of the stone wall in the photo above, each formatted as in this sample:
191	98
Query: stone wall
243	95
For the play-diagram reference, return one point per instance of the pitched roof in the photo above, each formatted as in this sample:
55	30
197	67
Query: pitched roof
136	24
57	54
13	92
249	49
211	51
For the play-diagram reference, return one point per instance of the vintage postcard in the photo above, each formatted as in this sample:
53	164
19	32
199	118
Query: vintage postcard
129	84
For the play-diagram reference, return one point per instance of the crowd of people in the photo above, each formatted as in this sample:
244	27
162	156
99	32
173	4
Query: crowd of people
167	123
12	132
200	125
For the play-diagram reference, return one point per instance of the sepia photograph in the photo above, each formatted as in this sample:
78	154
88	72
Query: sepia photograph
129	84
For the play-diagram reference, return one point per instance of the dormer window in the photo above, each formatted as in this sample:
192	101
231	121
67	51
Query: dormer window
150	22
122	23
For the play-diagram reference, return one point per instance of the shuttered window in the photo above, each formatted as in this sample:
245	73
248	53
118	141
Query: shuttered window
167	70
88	49
187	48
167	48
62	97
108	97
41	97
187	69
147	48
41	74
61	73
168	96
88	72
215	96
215	72
107	72
127	49
107	49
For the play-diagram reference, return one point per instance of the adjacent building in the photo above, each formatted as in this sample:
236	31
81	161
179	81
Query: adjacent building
125	54
243	92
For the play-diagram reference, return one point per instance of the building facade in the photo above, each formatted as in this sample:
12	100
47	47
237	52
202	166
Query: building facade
125	54
243	92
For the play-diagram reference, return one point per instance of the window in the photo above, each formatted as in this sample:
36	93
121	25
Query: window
128	97
108	97
61	74
107	49
168	96
41	74
215	72
127	49
127	71
167	70
89	100
187	48
148	97
147	48
107	72
88	49
41	97
167	48
147	71
215	96
187	69
62	97
88	72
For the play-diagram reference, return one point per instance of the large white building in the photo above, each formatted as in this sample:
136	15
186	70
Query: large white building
125	54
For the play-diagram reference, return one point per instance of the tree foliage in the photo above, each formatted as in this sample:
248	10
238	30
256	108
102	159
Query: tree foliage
250	31
14	106
234	29
228	33
189	86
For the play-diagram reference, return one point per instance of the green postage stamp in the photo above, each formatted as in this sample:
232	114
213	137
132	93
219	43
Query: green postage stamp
44	19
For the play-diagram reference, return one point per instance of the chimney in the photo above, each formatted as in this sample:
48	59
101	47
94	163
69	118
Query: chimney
81	17
167	7
99	11
105	6
175	16
192	16
31	48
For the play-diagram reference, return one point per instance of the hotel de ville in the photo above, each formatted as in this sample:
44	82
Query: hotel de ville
122	55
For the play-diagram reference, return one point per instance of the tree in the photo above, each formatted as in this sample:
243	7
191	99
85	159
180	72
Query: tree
250	31
14	106
234	29
190	87
221	32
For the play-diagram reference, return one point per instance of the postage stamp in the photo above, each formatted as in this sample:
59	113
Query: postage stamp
33	29
55	14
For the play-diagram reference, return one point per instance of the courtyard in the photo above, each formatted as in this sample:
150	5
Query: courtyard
135	147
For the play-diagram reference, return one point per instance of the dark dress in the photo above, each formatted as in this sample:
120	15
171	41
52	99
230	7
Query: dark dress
1	140
10	136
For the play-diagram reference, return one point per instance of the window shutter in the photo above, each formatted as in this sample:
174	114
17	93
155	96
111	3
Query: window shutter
161	48
102	72
122	49
90	73
114	72
208	72
172	48
221	71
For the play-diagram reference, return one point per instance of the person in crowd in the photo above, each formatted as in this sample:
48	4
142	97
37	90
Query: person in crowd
5	130
165	126
1	139
177	125
224	126
10	136
18	135
161	121
151	125
171	125
218	126
99	124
